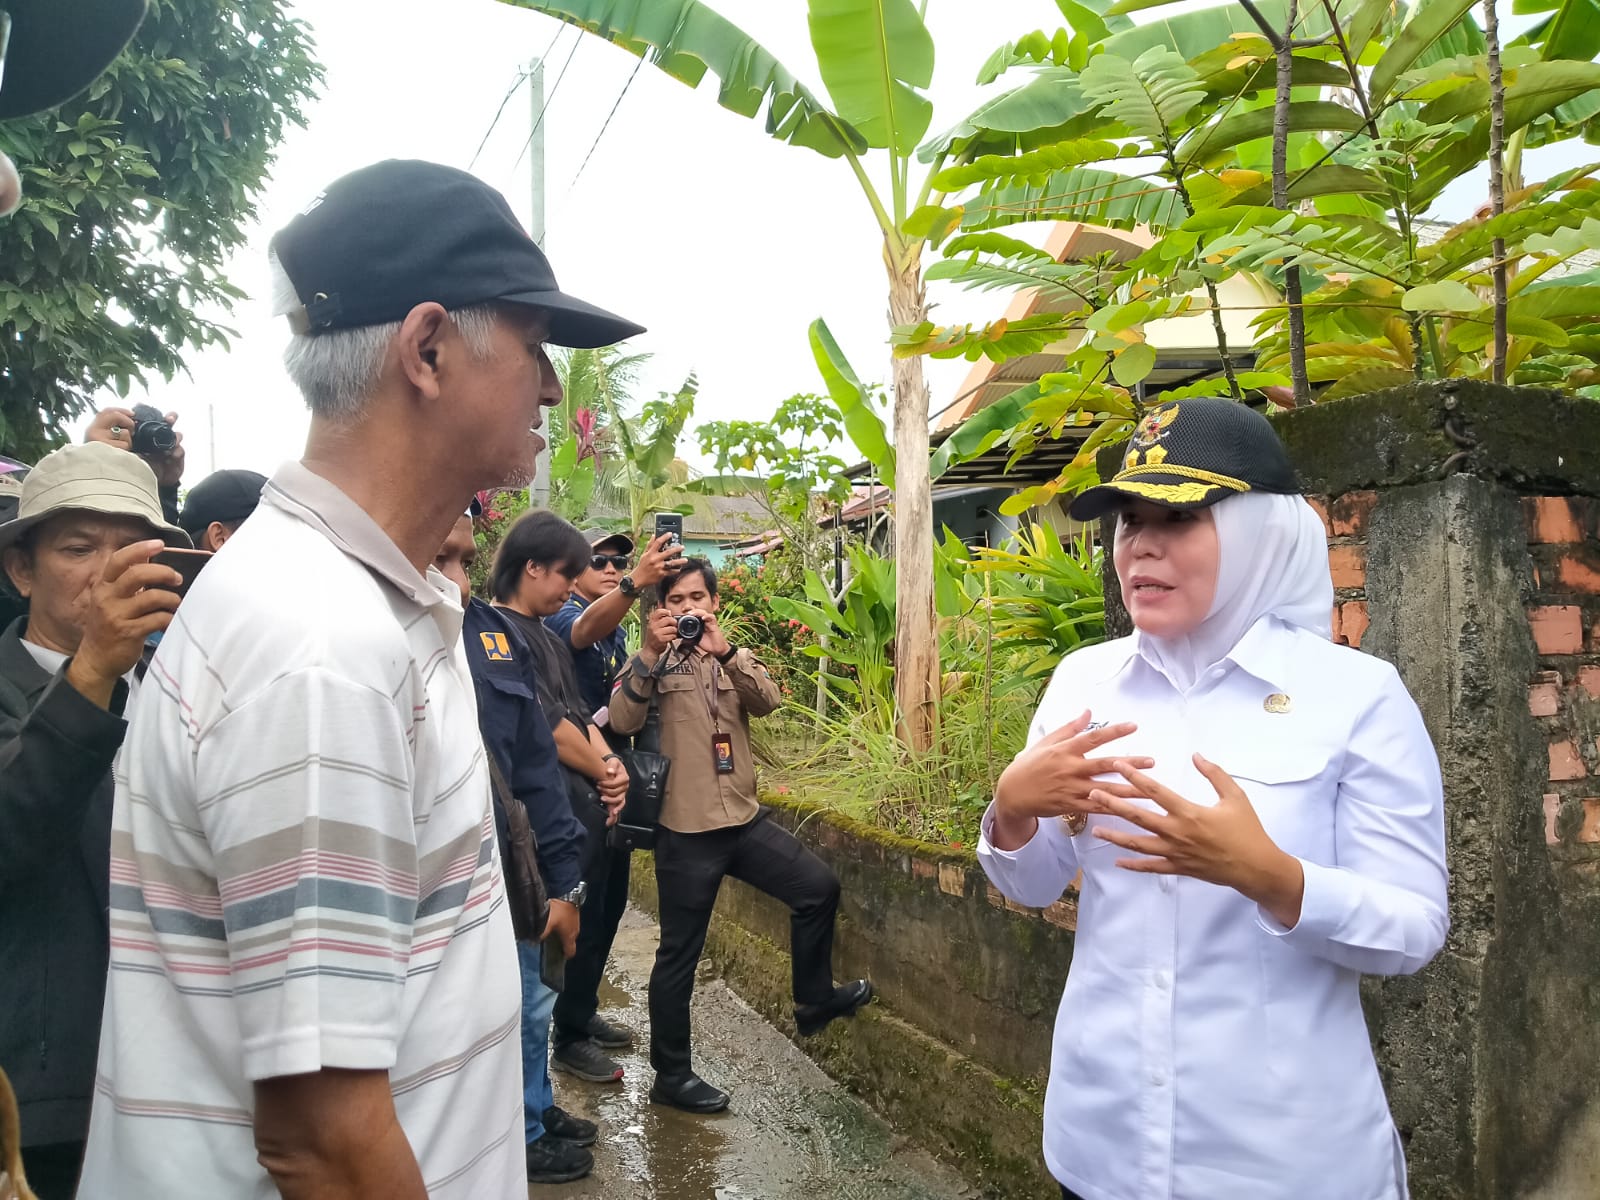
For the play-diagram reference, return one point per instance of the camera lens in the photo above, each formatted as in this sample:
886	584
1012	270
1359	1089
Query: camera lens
153	437
690	627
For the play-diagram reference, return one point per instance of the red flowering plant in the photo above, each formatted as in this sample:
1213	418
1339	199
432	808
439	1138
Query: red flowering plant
746	591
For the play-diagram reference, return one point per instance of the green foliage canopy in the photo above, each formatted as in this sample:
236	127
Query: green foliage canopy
134	195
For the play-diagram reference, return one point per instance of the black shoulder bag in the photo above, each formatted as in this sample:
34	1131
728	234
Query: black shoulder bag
647	785
525	890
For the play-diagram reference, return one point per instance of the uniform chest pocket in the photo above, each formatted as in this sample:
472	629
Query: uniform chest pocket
1292	786
682	697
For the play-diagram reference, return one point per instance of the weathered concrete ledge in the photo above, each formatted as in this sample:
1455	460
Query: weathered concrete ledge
956	1050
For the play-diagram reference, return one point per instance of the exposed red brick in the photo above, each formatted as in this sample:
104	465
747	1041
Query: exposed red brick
1589	831
921	869
952	879
1565	761
1589	681
1063	913
1552	809
1013	906
1348	565
1321	507
1552	519
995	898
1352	622
1557	628
1544	700
1347	514
1578	570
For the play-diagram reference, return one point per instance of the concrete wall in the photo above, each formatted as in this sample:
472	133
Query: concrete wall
1464	541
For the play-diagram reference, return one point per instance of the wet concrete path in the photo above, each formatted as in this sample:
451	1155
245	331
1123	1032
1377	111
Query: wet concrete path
791	1133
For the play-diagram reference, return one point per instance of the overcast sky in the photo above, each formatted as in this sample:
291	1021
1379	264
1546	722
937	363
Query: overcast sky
725	243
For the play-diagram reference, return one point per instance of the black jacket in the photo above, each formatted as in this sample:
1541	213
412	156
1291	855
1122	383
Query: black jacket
517	733
56	749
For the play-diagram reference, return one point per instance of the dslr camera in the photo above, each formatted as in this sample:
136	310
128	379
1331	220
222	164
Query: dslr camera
152	436
690	627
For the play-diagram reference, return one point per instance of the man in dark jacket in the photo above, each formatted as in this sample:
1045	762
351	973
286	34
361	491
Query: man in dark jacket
516	731
78	552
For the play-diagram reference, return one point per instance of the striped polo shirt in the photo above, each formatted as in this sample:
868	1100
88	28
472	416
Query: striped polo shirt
303	868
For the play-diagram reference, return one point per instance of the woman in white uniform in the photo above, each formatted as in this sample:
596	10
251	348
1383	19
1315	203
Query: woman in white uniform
1258	818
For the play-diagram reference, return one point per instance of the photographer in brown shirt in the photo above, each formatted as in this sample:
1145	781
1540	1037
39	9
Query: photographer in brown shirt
712	825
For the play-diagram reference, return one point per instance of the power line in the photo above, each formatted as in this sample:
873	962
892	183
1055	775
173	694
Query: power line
522	77
606	124
554	88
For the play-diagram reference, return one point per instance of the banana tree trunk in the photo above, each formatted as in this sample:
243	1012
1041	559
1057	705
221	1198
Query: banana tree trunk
916	647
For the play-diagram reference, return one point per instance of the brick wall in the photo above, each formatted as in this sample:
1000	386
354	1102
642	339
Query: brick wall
1564	696
1345	519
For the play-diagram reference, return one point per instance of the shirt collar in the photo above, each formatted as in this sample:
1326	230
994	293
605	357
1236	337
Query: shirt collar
1262	651
307	496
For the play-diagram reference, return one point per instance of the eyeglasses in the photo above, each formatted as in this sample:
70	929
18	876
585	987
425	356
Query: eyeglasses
619	561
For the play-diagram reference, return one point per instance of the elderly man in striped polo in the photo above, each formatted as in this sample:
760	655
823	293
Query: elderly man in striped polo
313	986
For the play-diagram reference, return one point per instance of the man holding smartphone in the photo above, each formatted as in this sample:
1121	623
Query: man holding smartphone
79	553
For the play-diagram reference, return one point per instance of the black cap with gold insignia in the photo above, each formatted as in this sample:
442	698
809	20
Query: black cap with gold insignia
1192	453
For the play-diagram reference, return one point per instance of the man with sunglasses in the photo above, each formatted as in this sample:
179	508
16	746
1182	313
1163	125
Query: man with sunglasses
589	624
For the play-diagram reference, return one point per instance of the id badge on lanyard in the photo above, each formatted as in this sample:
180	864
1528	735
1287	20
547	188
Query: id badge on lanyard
721	743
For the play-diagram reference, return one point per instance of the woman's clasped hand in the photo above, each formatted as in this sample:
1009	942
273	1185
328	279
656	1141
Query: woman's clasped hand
1055	777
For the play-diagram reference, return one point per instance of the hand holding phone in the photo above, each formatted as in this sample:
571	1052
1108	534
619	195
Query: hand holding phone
670	523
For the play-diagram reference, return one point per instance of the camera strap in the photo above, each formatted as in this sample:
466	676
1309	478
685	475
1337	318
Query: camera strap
712	698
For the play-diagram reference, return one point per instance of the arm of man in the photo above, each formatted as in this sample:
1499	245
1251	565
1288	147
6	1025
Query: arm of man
333	1135
755	688
630	699
52	758
600	619
577	751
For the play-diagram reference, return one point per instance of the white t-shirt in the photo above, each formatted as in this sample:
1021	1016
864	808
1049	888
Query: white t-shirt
303	869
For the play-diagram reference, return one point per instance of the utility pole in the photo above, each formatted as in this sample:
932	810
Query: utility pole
539	490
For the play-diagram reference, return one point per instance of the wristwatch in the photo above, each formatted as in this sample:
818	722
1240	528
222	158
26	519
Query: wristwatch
576	895
628	587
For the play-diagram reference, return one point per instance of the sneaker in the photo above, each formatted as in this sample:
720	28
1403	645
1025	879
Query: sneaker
812	1019
585	1060
553	1160
558	1122
605	1033
688	1092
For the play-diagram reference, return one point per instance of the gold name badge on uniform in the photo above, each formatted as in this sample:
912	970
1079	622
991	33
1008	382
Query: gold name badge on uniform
1277	703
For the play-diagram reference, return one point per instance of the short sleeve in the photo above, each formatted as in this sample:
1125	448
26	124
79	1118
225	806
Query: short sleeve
305	794
562	620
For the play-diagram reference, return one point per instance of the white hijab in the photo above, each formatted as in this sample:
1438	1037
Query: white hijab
1272	561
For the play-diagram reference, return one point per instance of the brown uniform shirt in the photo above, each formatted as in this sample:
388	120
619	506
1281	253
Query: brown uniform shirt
699	798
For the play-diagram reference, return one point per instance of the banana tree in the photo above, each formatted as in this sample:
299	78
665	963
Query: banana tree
875	58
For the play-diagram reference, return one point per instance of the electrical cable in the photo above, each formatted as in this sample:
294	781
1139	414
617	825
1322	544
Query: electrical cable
522	77
634	74
548	100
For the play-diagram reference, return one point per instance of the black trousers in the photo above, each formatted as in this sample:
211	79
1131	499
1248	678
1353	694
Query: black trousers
689	871
53	1170
606	872
1066	1194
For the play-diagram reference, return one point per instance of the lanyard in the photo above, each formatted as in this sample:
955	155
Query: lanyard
711	697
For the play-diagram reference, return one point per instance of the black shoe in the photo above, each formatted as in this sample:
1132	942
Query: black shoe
552	1160
688	1092
812	1019
585	1060
562	1124
603	1033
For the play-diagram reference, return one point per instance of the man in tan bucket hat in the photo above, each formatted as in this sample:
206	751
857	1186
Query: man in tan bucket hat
78	551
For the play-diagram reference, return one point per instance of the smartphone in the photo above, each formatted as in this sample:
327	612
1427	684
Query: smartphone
188	563
552	964
670	523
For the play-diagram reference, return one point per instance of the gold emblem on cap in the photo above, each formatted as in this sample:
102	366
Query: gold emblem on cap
1277	703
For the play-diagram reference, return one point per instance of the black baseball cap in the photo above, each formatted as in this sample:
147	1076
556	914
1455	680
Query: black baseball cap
1193	453
386	238
59	47
225	496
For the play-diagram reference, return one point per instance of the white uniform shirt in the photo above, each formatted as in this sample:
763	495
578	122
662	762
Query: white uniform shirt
303	869
1202	1051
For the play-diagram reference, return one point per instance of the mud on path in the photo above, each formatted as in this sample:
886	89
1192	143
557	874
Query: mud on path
791	1133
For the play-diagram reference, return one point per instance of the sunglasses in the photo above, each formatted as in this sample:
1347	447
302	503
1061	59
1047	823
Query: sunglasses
619	561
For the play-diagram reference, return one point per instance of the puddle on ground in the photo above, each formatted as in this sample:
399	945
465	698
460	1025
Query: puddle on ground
790	1133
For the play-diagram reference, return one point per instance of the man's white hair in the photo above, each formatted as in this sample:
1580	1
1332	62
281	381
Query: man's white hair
338	371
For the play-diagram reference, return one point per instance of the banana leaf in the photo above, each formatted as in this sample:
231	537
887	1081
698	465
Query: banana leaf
876	56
